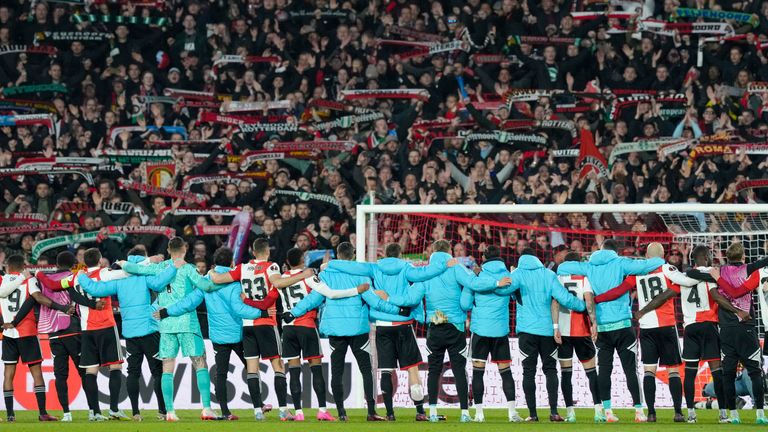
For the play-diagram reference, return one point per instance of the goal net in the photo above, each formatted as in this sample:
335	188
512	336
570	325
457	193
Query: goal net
554	230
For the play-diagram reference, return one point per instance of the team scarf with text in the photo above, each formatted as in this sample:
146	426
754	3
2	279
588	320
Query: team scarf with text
268	127
29	120
238	59
26	105
306	196
128	230
189	94
74	207
7	230
665	28
119	19
72	36
206	230
435	48
415	34
328	13
26	49
621	103
23	218
712	149
166	192
251	157
640	146
238	119
751	184
337	106
35	88
345	122
232	107
740	17
68	240
541	40
418	94
117	207
310	146
136	156
190	181
182	143
184	103
14	172
504	137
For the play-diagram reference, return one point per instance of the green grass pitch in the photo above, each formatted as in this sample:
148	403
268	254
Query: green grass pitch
496	420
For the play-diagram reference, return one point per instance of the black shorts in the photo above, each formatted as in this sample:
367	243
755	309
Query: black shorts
299	341
582	345
660	346
446	337
619	340
27	348
497	347
740	342
397	345
261	341
533	346
701	342
100	348
361	342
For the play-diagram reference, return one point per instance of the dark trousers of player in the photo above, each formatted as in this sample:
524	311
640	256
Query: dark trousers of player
223	353
532	347
622	341
359	345
442	338
139	348
62	349
740	344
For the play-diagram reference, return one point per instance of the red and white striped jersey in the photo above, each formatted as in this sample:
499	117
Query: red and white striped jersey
575	324
291	295
696	302
653	284
95	319
254	281
10	305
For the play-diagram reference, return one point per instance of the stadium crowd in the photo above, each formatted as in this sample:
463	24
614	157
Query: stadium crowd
168	90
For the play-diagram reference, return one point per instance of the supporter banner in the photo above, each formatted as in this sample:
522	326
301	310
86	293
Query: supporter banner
68	240
73	36
22	104
167	192
230	107
188	397
206	230
306	196
639	146
420	94
119	19
110	207
189	94
126	229
12	172
726	148
28	120
238	236
716	14
160	174
135	156
26	49
347	121
23	218
310	145
590	158
69	227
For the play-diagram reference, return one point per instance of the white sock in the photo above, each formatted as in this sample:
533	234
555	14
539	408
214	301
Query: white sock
322	409
282	408
735	413
608	411
691	411
257	410
570	410
479	410
639	410
465	412
760	413
723	413
432	410
298	411
598	408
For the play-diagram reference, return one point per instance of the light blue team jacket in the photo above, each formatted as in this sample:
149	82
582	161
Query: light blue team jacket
538	286
393	276
490	311
345	316
226	310
606	270
133	294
